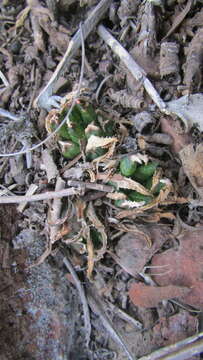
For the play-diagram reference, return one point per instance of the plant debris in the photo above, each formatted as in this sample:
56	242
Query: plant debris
101	125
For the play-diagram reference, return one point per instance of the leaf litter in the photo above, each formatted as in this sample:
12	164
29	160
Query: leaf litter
110	176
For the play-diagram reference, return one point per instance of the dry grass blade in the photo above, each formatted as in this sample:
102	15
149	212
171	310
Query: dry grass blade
116	196
90	252
132	204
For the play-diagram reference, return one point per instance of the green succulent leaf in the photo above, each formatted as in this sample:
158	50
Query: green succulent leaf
127	166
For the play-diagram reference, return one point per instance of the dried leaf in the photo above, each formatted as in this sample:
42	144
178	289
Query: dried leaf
173	128
131	250
131	204
149	296
169	330
90	252
127	183
95	142
189	110
22	17
116	196
178	19
49	165
192	71
192	161
185	265
169	61
91	214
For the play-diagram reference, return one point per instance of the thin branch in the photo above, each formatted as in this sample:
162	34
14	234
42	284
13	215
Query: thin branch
182	350
83	299
89	185
137	72
38	197
75	43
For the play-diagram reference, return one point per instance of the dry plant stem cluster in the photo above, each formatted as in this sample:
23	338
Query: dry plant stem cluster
182	350
80	289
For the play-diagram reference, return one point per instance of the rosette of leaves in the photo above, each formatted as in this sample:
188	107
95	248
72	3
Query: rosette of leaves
142	174
81	124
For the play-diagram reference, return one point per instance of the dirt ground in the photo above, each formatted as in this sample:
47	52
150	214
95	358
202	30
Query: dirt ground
101	224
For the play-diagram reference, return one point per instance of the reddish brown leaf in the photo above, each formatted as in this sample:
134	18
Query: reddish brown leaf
184	267
132	249
149	296
175	328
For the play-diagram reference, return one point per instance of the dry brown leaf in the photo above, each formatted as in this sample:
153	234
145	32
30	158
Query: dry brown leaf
193	72
179	18
131	250
169	330
184	265
149	296
192	161
173	128
126	183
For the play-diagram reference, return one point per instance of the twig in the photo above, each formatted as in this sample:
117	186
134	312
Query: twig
89	185
44	97
81	291
3	78
32	189
137	72
100	86
55	210
9	115
183	349
97	307
38	197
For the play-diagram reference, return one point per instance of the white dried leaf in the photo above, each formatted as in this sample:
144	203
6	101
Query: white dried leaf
116	196
189	109
49	165
132	204
95	142
140	158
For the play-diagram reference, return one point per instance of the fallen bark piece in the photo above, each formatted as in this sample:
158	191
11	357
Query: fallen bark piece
149	296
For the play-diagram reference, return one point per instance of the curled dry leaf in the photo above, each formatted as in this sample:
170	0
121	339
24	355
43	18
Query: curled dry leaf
192	161
169	61
95	142
149	296
91	214
193	71
184	265
126	100
131	250
123	182
172	127
189	110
